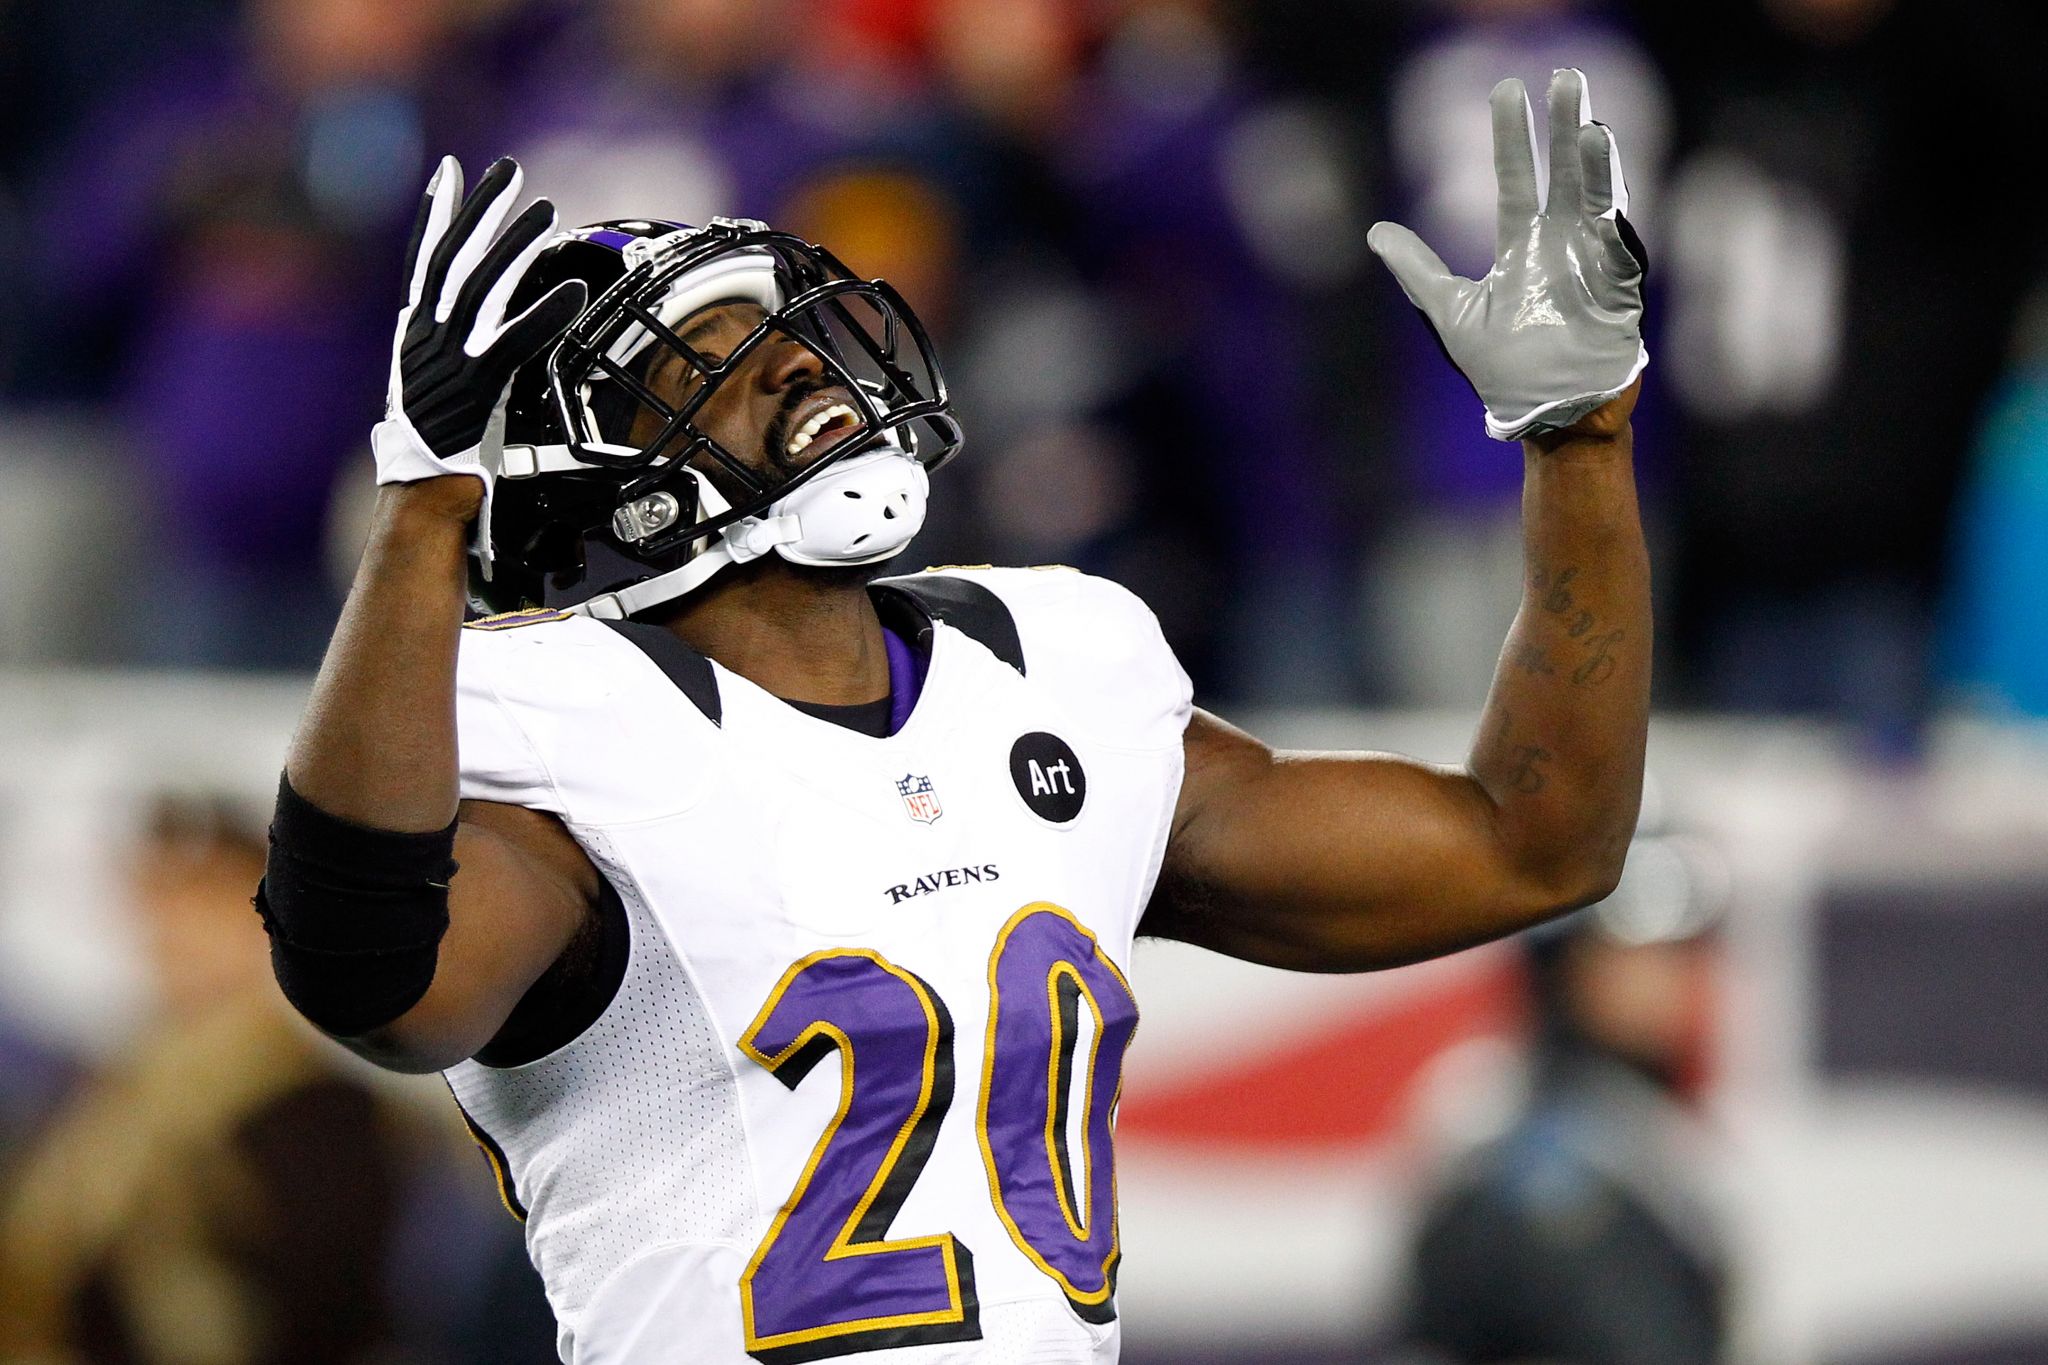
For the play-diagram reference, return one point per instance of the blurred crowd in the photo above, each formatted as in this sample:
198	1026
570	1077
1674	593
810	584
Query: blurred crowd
230	1188
1137	228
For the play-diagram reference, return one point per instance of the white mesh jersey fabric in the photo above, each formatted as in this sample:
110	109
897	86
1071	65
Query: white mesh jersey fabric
1039	1333
653	1153
627	1138
1032	1332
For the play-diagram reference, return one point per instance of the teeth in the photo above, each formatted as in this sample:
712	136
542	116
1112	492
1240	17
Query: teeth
832	416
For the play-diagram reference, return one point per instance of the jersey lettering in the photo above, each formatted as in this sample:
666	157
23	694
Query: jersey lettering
939	881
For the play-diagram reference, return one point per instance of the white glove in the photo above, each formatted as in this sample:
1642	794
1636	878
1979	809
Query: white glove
1556	327
454	353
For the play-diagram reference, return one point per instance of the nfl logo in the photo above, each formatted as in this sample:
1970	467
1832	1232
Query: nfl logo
919	798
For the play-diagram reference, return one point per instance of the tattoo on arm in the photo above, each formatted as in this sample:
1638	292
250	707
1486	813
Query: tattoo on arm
1580	624
1534	659
1526	776
1524	773
1557	599
1600	664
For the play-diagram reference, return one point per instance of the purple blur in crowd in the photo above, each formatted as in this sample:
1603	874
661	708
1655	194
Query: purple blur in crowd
1135	230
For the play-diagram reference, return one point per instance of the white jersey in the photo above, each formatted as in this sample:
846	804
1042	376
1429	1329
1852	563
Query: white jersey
943	918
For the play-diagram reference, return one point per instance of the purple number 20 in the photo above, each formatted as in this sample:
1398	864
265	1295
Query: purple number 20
825	1281
1061	1212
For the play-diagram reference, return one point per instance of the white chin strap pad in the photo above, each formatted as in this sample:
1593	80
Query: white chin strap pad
859	511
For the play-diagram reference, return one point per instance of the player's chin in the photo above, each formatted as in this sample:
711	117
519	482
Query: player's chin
852	575
823	578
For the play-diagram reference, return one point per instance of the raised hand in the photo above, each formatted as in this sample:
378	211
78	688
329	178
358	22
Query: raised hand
1555	329
455	351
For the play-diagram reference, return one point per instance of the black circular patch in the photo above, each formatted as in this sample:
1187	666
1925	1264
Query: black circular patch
1048	776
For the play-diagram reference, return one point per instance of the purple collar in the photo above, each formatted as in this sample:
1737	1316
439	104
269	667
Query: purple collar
906	677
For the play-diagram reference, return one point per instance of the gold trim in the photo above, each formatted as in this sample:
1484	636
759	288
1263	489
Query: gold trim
842	1245
513	620
988	1155
1075	1176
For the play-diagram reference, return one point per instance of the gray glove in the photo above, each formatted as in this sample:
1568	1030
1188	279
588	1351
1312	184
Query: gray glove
1556	327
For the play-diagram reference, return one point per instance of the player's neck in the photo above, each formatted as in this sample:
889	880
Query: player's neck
801	634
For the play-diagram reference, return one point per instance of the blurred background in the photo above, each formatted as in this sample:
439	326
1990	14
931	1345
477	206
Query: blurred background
1782	1100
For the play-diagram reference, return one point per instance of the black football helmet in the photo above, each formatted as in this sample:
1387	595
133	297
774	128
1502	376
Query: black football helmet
578	511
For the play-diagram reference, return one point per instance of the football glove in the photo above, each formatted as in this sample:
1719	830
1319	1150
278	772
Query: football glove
1555	329
454	352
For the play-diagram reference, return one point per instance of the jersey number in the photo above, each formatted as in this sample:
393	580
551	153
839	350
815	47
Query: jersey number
827	1280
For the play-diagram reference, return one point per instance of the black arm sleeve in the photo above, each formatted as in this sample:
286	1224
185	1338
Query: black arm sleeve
355	915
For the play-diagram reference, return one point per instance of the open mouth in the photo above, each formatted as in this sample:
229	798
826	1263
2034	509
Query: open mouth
825	426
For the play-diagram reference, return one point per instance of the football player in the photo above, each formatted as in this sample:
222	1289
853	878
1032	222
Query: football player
706	804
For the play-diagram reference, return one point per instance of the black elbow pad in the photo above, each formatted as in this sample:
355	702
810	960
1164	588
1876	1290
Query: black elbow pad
355	915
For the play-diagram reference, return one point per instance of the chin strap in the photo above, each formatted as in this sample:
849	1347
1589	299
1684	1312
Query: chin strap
652	592
861	511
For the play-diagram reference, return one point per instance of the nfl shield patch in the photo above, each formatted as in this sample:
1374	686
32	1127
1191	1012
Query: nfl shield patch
919	799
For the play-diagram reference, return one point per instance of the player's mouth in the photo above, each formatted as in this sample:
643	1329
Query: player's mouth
824	425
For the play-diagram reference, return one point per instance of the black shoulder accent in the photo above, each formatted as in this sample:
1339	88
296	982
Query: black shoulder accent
686	668
572	994
870	718
967	607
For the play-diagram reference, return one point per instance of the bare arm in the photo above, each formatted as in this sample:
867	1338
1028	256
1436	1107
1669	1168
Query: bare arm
377	744
377	747
1341	863
1332	862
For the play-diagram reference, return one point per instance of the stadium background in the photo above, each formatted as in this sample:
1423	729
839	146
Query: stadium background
1137	227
